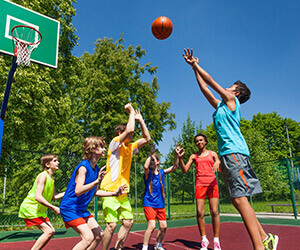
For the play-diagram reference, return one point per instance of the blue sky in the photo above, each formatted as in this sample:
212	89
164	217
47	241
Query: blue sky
255	41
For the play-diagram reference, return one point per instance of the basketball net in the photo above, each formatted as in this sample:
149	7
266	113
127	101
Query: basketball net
25	39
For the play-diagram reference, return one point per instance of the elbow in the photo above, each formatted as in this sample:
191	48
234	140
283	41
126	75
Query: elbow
148	138
77	193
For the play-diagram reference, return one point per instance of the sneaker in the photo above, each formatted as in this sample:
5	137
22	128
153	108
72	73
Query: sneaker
204	245
271	242
217	246
159	248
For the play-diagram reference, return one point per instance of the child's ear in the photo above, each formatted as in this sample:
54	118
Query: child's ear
236	93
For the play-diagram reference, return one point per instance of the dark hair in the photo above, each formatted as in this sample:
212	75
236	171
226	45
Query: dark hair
244	91
46	159
200	134
120	128
90	145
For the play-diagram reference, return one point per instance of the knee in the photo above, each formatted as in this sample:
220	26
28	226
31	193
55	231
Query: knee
110	227
200	214
163	228
49	233
151	227
214	213
128	223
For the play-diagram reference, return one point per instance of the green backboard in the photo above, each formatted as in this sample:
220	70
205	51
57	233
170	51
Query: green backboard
12	14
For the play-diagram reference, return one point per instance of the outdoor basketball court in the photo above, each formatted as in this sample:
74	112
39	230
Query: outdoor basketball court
181	234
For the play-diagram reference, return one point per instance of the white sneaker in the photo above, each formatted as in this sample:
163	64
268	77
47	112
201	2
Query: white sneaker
159	248
217	246
204	245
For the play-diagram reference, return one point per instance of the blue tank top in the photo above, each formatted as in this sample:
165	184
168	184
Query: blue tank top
73	207
155	199
227	126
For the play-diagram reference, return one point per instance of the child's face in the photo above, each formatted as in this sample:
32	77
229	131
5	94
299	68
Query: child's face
232	90
100	151
53	164
200	142
154	163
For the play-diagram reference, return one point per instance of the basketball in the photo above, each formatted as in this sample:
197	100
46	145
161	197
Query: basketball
162	27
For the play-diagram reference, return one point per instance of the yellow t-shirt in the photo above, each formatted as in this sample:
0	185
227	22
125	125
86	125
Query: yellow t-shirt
118	164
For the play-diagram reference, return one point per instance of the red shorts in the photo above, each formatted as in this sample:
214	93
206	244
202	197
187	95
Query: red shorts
35	221
209	191
77	222
155	213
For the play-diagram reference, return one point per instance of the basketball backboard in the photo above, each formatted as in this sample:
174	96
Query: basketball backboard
12	14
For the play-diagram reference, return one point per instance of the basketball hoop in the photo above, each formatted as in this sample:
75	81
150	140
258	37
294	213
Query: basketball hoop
25	39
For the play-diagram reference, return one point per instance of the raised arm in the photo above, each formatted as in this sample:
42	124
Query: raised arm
206	78
39	194
177	151
146	135
186	167
130	124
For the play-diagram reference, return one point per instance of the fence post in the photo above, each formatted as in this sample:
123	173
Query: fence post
96	208
135	184
168	193
291	187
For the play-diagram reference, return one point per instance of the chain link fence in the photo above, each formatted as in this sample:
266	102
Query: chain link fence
280	180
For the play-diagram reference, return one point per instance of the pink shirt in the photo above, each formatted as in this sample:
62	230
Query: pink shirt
205	176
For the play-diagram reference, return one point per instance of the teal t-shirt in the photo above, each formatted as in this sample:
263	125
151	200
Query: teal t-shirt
227	126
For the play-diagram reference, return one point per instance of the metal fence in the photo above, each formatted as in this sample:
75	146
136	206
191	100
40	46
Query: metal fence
280	180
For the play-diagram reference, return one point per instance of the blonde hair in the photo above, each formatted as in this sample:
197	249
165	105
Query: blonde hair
46	159
90	145
152	161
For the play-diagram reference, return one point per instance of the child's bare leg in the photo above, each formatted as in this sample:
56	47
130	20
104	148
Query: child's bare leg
97	232
148	232
250	221
123	233
162	231
214	212
48	232
86	234
200	204
108	233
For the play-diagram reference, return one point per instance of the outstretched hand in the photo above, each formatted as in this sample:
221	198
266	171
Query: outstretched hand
138	116
129	108
121	189
179	151
101	173
189	58
152	149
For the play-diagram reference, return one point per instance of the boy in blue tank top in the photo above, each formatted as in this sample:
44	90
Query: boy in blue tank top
82	187
238	175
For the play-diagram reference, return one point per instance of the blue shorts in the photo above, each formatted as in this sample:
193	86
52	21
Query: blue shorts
239	177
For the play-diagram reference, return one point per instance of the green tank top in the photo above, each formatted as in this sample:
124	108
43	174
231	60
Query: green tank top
30	208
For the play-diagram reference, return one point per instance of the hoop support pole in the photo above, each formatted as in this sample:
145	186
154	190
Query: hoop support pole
8	86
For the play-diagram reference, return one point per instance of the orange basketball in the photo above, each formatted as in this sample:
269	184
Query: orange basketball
162	27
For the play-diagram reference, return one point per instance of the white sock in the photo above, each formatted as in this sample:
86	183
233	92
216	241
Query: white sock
204	238
158	244
145	247
216	239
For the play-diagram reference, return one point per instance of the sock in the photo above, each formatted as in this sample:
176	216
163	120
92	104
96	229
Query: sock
266	238
158	244
216	239
145	247
204	238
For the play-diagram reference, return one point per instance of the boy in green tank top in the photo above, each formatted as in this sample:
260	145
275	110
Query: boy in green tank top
33	208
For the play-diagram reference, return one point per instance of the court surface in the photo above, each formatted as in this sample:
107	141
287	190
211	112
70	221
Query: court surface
181	234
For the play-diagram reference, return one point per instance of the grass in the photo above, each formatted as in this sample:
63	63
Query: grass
9	220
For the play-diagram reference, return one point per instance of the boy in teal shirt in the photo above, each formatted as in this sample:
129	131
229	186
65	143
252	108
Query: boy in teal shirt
238	175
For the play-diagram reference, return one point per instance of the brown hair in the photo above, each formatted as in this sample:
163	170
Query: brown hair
160	180
244	91
90	145
46	159
120	128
